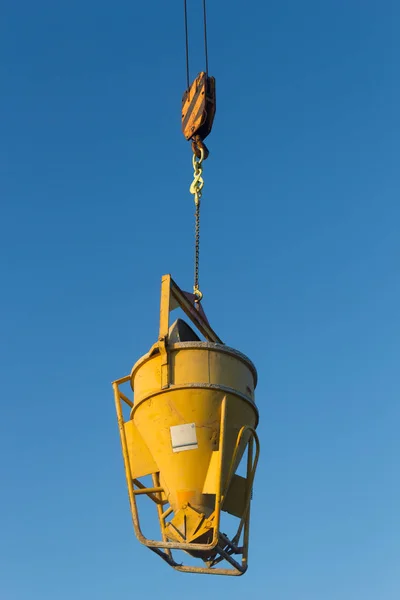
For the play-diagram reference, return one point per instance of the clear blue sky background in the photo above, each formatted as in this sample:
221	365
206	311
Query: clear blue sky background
299	267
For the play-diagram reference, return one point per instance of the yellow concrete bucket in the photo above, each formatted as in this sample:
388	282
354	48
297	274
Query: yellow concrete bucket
191	421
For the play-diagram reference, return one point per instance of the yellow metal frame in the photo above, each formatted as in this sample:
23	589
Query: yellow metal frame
171	297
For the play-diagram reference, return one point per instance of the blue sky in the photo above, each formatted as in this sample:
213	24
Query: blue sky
299	268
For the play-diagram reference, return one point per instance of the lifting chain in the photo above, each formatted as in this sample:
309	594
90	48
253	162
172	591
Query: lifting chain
196	188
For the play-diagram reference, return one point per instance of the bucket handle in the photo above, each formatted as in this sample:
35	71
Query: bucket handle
173	297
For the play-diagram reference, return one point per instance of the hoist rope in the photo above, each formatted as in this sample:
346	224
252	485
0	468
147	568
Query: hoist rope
187	39
187	44
205	34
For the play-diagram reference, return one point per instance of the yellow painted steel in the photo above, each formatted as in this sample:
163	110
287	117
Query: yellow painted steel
192	418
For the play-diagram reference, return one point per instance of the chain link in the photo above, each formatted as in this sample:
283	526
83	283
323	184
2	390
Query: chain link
196	188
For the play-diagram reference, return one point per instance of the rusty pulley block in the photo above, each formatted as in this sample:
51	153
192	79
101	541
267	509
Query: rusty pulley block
198	111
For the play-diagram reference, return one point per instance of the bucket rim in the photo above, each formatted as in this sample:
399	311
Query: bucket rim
154	350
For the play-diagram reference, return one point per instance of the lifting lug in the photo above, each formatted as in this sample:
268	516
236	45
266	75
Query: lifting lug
197	146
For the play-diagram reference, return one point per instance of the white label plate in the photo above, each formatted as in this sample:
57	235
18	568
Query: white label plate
183	437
